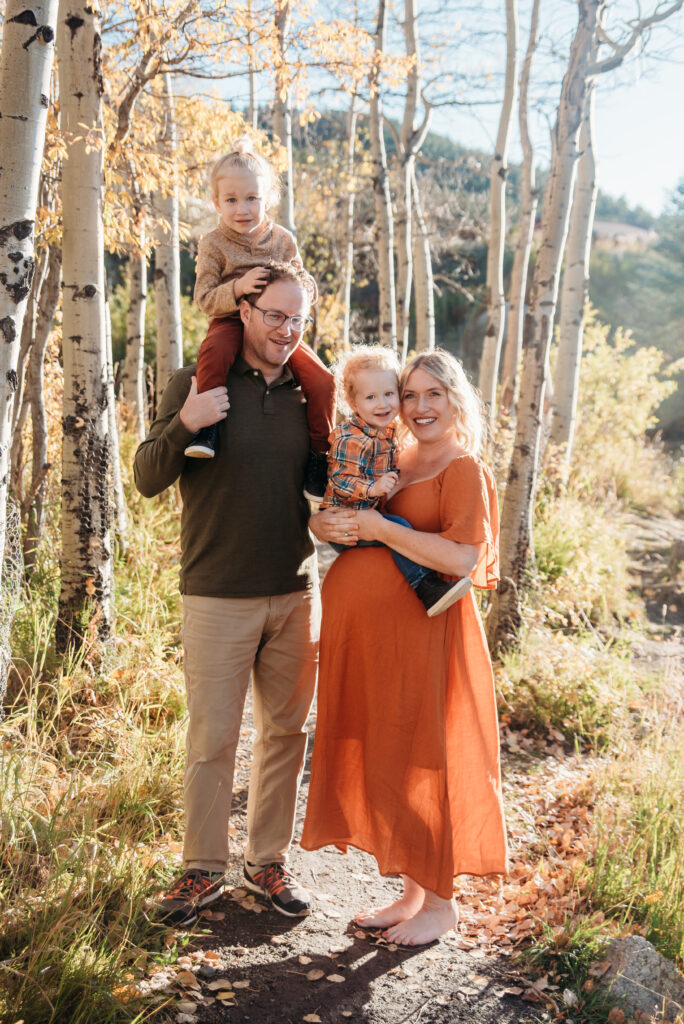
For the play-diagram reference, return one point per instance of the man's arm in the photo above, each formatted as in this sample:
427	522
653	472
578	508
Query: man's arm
160	458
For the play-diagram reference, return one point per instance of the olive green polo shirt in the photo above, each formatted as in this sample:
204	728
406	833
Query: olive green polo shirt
244	523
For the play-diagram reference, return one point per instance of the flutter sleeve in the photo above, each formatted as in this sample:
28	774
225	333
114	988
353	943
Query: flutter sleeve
469	514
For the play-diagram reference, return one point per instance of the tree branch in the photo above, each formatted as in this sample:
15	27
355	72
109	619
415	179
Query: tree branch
622	51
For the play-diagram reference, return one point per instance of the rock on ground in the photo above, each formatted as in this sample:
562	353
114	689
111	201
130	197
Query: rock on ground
644	980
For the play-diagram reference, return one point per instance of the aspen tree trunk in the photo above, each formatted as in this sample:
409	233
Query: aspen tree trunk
116	482
133	376
167	259
406	159
424	289
348	268
35	389
521	260
384	227
25	66
575	289
282	115
85	598
252	110
22	405
496	304
516	525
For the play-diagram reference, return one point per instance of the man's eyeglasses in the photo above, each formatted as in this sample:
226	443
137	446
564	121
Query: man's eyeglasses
273	318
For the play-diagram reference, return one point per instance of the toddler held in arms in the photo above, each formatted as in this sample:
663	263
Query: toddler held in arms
361	463
232	266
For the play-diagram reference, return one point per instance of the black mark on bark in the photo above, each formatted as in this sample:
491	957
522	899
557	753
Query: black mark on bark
44	102
86	292
12	380
20	229
73	24
25	18
8	329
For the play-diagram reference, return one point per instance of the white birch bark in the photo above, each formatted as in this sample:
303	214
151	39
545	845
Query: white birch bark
282	115
85	597
575	289
348	265
34	501
406	159
25	66
120	518
424	287
167	260
496	304
521	260
133	375
384	226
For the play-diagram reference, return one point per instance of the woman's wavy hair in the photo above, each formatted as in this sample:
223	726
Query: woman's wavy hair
245	158
464	399
361	357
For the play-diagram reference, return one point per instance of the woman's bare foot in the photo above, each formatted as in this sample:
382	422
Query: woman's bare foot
401	910
435	917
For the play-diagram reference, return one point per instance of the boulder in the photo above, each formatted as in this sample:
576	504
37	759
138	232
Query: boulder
639	978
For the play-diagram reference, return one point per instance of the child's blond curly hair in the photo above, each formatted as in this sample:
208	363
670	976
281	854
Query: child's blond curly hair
361	357
244	157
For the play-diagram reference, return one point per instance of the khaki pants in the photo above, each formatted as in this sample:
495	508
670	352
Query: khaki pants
226	639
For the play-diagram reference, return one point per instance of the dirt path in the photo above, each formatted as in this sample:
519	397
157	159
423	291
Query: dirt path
276	971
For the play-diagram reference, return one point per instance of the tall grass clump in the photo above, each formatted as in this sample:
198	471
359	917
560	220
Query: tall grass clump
91	768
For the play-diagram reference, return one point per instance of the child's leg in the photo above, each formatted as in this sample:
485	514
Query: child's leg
217	352
216	356
318	384
436	594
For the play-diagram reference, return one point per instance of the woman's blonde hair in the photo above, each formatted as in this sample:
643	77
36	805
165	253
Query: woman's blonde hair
361	357
244	157
463	397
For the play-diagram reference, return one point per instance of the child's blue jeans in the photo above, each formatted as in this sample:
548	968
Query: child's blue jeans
412	572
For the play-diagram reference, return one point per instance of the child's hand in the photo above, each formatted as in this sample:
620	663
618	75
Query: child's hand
253	281
385	484
201	410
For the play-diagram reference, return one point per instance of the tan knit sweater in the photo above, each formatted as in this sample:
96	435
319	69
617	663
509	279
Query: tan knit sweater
224	255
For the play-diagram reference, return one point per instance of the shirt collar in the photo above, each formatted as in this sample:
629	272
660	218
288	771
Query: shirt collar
247	240
386	432
242	367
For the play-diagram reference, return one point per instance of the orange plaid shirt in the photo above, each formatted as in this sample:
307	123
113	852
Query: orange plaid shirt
359	454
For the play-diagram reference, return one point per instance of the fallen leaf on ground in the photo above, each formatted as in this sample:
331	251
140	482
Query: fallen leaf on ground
315	975
312	1018
304	959
240	984
335	977
220	983
185	1006
188	979
278	940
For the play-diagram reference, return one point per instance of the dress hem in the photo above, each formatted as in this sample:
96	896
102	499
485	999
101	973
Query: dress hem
344	844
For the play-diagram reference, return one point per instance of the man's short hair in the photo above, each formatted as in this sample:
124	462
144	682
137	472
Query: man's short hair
288	272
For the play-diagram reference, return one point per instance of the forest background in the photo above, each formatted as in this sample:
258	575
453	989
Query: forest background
111	116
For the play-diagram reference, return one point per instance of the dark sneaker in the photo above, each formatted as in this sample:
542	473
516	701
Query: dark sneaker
203	445
276	882
316	479
437	594
190	892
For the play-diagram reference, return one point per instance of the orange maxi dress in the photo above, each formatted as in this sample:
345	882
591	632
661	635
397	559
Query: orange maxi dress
406	753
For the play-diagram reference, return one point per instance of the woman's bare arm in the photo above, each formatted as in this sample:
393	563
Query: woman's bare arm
428	549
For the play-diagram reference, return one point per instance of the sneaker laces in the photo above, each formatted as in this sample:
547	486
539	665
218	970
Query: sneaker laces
274	878
189	885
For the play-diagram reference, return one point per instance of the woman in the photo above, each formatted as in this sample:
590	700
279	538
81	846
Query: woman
406	759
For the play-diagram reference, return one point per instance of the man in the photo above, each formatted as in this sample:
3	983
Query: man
250	596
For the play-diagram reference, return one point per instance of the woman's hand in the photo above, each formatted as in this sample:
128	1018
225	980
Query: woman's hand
370	524
335	526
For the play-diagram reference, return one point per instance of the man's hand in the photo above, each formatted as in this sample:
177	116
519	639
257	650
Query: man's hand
201	410
253	281
335	525
385	484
